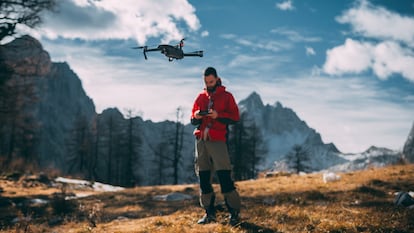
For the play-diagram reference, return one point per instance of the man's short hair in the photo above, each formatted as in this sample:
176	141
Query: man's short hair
210	71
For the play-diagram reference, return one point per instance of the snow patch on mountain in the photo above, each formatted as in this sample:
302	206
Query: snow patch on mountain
373	157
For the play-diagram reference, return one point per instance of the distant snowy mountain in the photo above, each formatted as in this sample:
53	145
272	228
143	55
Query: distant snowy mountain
373	157
282	131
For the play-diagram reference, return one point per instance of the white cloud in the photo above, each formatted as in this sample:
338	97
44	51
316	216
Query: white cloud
387	46
385	59
285	6
352	57
259	43
205	33
390	58
310	51
108	19
249	60
294	36
379	23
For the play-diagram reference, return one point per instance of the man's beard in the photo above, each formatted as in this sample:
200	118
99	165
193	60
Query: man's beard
211	89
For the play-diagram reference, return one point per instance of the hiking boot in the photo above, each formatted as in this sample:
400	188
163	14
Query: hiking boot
207	218
234	218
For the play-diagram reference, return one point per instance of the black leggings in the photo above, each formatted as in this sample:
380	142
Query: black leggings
224	176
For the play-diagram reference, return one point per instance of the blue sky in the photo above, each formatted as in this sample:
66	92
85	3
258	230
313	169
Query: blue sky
345	67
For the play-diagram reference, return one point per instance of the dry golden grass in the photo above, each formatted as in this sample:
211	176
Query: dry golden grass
361	201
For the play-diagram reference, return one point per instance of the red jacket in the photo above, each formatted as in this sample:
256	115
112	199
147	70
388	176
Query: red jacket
224	104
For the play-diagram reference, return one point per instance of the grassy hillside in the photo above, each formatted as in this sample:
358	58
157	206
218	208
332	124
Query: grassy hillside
359	202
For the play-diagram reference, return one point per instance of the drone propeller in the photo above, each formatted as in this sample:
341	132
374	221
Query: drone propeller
145	48
181	43
139	47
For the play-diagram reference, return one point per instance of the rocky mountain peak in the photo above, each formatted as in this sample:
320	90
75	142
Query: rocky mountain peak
59	103
253	101
25	55
282	130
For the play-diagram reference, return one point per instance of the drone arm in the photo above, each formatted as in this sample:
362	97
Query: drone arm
154	49
194	54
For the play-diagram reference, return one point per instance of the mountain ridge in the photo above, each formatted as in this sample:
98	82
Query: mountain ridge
68	120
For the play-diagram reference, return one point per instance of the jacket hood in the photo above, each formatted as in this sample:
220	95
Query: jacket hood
219	89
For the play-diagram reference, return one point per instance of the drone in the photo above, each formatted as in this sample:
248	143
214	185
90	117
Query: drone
171	51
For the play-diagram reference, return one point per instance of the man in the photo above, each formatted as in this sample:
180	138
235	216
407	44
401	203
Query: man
213	109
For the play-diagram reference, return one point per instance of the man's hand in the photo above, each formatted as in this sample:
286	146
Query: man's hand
197	115
212	113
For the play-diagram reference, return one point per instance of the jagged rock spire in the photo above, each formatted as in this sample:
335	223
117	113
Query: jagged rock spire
253	101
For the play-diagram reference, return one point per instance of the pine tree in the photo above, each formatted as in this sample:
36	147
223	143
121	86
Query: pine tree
246	148
80	146
168	153
297	159
160	162
18	125
134	143
178	145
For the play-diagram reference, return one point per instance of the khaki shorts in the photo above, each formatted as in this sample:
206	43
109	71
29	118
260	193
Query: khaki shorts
211	155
